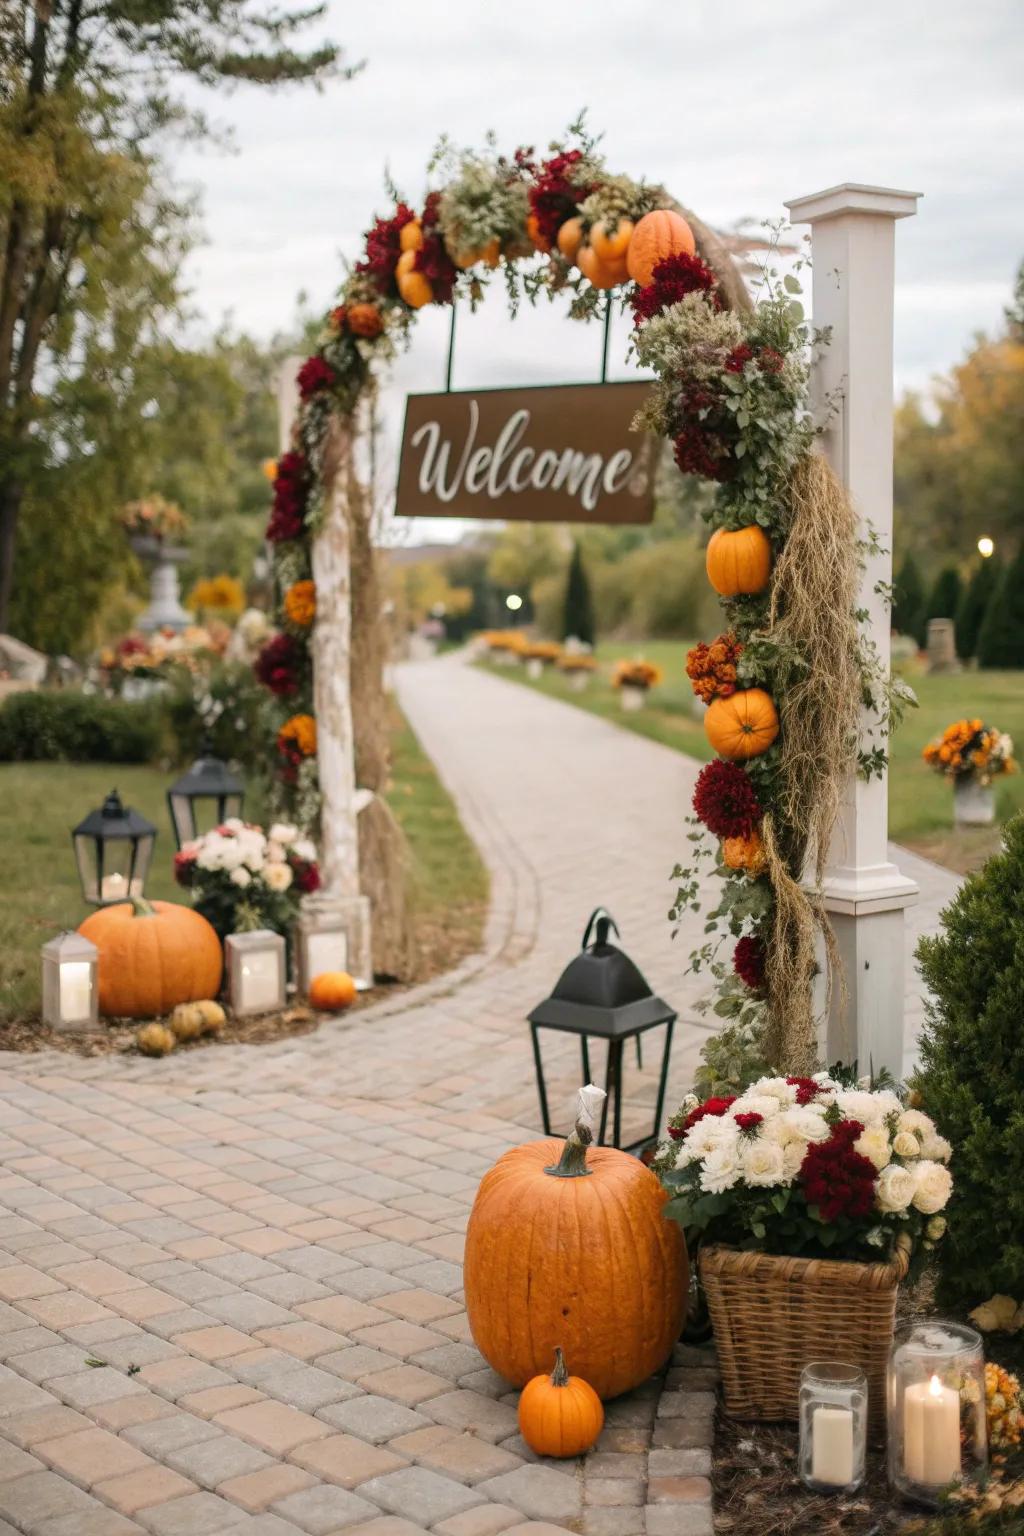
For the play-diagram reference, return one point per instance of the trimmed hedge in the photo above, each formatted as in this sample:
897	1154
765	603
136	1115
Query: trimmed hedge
73	727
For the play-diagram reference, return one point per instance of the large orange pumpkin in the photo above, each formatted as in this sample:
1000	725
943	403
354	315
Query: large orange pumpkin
658	234
560	1415
739	560
153	955
742	726
578	1256
603	274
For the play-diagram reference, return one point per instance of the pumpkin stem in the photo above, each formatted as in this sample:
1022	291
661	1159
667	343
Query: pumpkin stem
141	907
560	1375
573	1162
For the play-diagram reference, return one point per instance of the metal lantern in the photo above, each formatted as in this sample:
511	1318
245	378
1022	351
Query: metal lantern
208	791
256	971
113	848
602	993
70	991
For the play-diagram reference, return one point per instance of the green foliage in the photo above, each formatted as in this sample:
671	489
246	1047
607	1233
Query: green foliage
944	597
971	1078
908	601
77	727
1001	636
227	708
578	614
974	601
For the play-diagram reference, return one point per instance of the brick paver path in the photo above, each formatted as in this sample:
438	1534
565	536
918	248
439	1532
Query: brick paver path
230	1283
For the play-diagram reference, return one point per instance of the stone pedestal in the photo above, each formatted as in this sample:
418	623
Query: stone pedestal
941	646
164	610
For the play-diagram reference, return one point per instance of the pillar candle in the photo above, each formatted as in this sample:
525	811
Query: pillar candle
931	1433
75	991
832	1446
261	980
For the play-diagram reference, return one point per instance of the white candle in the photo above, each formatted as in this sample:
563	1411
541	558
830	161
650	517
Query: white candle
931	1433
75	991
832	1446
114	888
261	985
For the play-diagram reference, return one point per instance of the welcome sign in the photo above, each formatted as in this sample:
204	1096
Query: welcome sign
561	453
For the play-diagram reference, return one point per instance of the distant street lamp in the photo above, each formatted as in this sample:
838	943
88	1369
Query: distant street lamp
986	546
514	601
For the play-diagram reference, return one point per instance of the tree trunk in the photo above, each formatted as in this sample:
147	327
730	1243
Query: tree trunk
12	493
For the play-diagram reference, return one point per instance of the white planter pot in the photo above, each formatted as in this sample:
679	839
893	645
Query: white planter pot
632	698
579	681
534	669
974	804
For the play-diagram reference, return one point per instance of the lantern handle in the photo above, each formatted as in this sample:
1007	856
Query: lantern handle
604	920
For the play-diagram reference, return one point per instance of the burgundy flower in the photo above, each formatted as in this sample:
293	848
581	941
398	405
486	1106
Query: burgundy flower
770	361
279	665
291	489
314	375
838	1180
553	197
749	1122
738	358
383	248
307	876
806	1088
748	962
724	799
432	258
709	1107
672	279
184	866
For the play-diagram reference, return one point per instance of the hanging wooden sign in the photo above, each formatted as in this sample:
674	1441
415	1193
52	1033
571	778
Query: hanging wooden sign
562	453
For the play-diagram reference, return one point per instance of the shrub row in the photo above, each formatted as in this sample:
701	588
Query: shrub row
74	727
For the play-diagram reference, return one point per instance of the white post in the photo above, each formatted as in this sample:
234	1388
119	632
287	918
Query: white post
338	904
853	252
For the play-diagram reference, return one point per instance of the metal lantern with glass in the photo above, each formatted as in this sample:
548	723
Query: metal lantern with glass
936	1408
113	848
204	796
70	991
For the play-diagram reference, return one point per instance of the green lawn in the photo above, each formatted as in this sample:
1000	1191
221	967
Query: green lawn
920	801
40	802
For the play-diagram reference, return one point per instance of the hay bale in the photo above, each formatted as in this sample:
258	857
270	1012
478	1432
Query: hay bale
384	876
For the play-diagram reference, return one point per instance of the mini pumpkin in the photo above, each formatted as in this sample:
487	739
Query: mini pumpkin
212	1014
489	255
415	289
533	231
332	991
153	955
601	274
739	561
155	1040
559	1414
745	853
410	236
186	1022
657	235
570	238
742	726
610	242
364	320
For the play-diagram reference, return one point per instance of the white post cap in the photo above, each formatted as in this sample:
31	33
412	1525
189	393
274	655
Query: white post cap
852	197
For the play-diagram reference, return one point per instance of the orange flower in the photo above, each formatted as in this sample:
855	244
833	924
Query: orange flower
300	604
299	734
269	468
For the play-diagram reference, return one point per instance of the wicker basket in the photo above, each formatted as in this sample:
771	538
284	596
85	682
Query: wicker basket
772	1316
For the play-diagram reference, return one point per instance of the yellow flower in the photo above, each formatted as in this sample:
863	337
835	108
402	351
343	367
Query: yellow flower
300	604
300	733
269	468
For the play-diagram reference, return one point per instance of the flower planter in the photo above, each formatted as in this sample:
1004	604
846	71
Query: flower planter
534	670
631	698
579	681
974	804
774	1315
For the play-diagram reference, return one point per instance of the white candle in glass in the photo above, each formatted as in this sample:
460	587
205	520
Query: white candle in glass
832	1446
261	983
114	888
75	991
931	1432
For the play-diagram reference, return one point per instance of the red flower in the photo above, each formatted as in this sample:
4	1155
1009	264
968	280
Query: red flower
748	962
738	358
432	258
314	375
709	1107
672	279
838	1180
184	866
806	1088
553	197
770	361
307	876
725	800
749	1122
291	489
383	248
279	665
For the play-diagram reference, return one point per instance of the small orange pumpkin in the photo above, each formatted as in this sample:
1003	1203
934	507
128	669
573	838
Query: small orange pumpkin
658	234
364	320
742	726
602	274
739	560
332	991
410	236
611	242
489	255
745	853
415	289
533	231
570	238
560	1415
153	955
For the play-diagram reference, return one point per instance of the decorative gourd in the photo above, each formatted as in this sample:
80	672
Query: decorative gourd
213	1016
533	231
745	853
186	1022
611	242
658	234
576	1254
570	238
742	726
602	274
153	955
739	561
332	991
414	288
155	1040
410	236
364	320
560	1415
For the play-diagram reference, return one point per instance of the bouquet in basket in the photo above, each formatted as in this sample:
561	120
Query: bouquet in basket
243	878
810	1167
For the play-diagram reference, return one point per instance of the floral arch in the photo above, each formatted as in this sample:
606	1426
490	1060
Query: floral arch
784	682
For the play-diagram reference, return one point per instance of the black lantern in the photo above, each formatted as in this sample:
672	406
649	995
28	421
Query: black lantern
207	787
113	848
602	993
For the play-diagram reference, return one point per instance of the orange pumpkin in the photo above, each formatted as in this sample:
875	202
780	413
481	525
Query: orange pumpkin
658	234
332	991
489	254
739	561
414	288
611	242
578	1256
533	230
364	320
410	236
153	955
742	726
601	274
570	238
560	1415
745	853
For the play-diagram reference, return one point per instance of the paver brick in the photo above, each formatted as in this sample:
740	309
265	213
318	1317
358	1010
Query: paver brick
28	1429
342	1313
29	1501
100	1520
484	1520
197	1514
303	1339
212	1462
152	1484
274	1427
85	1388
15	1462
212	1344
161	1436
255	1491
468	1410
419	1494
346	1459
537	1490
679	1520
375	1419
324	1509
122	1413
405	1384
90	1456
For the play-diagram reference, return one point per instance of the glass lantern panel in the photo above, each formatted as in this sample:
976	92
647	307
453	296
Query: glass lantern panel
183	818
260	981
326	950
231	805
115	858
140	868
86	857
75	991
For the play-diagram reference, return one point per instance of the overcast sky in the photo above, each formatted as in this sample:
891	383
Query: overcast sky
735	107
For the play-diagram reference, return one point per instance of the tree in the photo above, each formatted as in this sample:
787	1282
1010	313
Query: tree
908	601
974	601
578	615
944	598
85	101
1001	637
524	553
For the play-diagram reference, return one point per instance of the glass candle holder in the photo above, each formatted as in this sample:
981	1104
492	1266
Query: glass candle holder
936	1408
833	1426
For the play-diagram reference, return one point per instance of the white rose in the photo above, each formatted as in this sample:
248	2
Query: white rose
721	1169
232	853
937	1148
278	876
873	1143
824	1081
906	1144
762	1161
241	876
856	1104
933	1185
305	849
776	1088
234	824
801	1124
936	1228
914	1120
894	1188
793	1154
751	1103
283	832
711	1132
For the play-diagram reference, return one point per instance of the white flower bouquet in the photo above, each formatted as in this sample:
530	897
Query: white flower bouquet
242	878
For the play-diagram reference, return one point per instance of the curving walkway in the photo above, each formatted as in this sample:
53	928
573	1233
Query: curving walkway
230	1283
